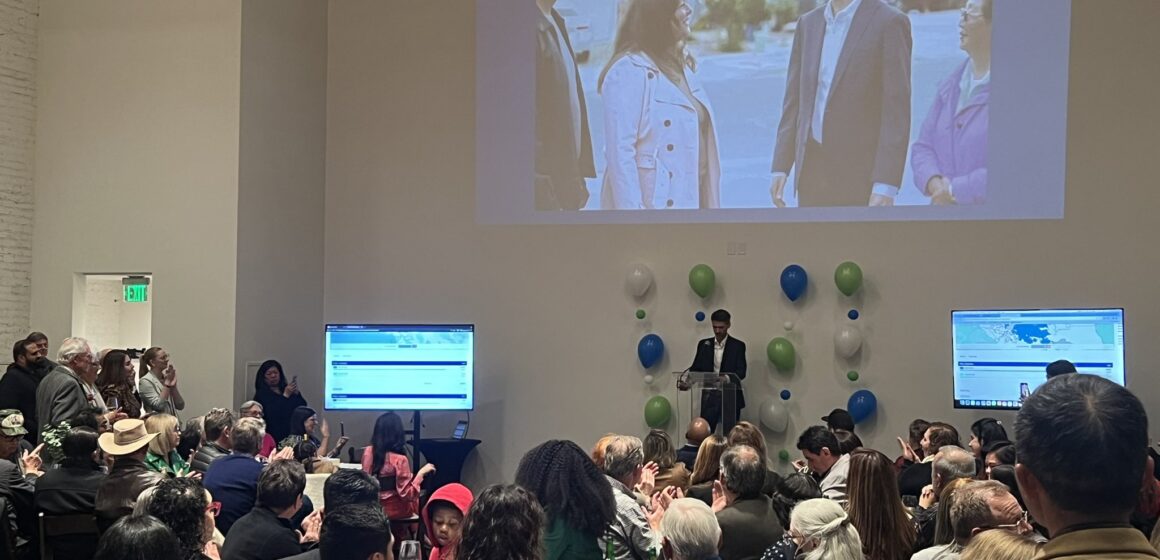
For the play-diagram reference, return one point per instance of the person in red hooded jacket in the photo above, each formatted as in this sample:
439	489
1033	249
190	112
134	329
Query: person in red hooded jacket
443	516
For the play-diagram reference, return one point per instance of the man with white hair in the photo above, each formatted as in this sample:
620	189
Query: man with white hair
950	464
690	530
633	532
71	387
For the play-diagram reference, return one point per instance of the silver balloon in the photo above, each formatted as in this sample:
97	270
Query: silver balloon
648	379
774	415
847	340
639	279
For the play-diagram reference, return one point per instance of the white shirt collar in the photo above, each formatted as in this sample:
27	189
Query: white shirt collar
845	15
722	343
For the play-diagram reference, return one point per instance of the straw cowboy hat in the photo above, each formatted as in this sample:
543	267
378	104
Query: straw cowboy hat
128	435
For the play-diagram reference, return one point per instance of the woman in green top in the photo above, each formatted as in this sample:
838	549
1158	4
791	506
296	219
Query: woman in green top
163	456
575	495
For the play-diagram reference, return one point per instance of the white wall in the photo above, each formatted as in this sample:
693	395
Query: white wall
556	335
137	169
107	320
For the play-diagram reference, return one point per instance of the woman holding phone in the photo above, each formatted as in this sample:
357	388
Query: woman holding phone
158	383
277	397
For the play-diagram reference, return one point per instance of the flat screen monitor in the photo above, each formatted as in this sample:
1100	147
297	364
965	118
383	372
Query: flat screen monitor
400	367
1001	356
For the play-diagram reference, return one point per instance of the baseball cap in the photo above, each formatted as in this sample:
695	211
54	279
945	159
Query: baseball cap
839	419
12	422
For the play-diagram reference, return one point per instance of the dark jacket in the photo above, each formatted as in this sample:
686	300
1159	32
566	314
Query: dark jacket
60	397
559	172
118	493
277	410
914	478
18	490
233	481
207	455
69	490
748	527
261	535
732	362
18	390
688	455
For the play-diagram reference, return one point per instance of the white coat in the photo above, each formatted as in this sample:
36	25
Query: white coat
652	140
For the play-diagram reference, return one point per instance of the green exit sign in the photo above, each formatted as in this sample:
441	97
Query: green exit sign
136	293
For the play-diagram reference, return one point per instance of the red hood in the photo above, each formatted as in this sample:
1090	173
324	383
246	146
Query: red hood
457	494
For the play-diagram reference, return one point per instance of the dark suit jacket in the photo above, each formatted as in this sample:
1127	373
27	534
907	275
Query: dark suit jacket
69	490
748	527
18	390
261	535
867	120
18	490
732	361
688	455
559	173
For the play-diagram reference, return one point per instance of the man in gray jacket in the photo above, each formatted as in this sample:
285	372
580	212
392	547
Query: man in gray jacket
71	387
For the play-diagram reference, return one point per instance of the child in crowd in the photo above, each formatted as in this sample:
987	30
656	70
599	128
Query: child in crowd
443	517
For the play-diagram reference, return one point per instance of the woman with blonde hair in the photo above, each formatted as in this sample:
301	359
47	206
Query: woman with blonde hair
997	544
819	530
706	468
163	456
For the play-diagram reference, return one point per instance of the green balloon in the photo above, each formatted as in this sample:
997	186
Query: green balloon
702	280
783	455
848	277
640	314
657	412
852	376
781	353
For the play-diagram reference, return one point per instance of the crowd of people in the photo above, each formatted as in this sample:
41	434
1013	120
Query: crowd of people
1076	481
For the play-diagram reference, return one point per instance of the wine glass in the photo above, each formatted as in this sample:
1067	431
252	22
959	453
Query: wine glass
113	403
409	550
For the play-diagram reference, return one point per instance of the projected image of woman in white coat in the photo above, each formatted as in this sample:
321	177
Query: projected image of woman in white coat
660	143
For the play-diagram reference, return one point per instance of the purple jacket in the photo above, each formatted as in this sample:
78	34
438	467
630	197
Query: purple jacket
952	144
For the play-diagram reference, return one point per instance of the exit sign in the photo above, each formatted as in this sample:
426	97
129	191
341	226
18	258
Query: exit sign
136	293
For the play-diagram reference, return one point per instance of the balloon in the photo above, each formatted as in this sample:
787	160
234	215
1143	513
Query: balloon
788	325
794	282
785	394
783	455
639	279
862	405
649	350
852	375
781	353
853	314
657	411
702	280
848	277
640	314
847	340
774	416
700	316
648	379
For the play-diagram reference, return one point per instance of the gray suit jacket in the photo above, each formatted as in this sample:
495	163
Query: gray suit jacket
748	527
867	120
59	397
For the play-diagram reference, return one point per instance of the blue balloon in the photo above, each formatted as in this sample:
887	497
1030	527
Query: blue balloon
794	281
862	405
853	314
785	394
650	349
700	316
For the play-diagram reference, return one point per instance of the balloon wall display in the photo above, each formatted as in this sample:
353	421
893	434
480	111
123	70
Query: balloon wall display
853	315
794	282
774	415
848	277
785	394
847	340
657	412
699	316
650	349
862	405
702	280
852	375
639	279
781	353
648	379
640	314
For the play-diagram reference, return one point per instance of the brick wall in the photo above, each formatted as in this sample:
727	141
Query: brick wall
18	19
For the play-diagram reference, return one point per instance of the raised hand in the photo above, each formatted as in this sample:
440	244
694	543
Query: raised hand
32	461
311	526
286	453
927	498
720	501
325	428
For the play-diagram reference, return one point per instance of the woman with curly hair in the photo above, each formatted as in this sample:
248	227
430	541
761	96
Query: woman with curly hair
505	522
186	507
876	509
575	495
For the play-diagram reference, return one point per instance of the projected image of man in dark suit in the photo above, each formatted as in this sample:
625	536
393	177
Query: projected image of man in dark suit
845	121
563	142
722	354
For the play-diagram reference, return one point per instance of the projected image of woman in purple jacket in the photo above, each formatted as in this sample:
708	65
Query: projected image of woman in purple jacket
949	158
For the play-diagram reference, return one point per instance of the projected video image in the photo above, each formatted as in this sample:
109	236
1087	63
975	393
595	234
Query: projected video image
654	104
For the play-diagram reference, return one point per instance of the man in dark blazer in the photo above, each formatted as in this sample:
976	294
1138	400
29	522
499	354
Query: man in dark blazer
563	141
845	121
726	355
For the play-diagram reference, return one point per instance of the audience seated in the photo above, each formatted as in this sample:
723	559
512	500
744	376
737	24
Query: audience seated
598	448
633	532
253	409
696	433
71	489
823	458
266	532
944	532
985	432
504	523
344	488
690	530
707	468
824	532
128	444
192	436
386	459
186	507
1082	449
575	496
18	386
747	433
233	479
219	424
443	517
912	446
748	523
949	464
163	456
916	475
355	532
306	452
876	509
118	380
658	450
1005	545
793	490
138	537
977	506
997	453
18	471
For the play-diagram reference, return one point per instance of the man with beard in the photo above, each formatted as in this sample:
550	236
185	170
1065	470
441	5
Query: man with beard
18	386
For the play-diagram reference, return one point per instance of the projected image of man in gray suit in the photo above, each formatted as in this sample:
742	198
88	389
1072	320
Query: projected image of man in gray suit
845	121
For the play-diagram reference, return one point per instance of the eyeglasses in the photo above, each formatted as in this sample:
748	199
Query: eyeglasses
215	508
1021	526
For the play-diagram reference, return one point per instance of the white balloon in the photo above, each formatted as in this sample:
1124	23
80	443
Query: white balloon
847	340
639	279
788	325
774	415
648	379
